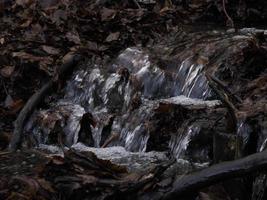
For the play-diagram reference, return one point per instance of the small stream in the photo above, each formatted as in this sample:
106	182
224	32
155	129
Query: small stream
121	99
139	104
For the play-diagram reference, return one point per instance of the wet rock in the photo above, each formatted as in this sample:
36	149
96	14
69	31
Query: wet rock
134	162
163	125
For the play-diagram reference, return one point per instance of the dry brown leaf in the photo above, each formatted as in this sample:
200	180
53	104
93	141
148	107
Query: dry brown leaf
16	105
32	58
88	179
7	71
113	37
107	14
50	50
4	141
2	6
68	57
45	185
24	3
44	62
57	160
24	55
27	23
34	32
49	4
73	37
59	16
2	41
92	46
30	185
204	196
8	101
45	65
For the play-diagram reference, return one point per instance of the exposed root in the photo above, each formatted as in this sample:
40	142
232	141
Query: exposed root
216	173
33	102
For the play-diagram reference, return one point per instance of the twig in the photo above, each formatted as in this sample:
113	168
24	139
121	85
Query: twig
4	86
216	173
219	82
137	4
113	136
231	108
227	15
225	99
34	101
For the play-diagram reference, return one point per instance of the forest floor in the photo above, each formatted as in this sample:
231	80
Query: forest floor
39	36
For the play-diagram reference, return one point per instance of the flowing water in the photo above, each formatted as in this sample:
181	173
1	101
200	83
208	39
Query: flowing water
139	106
121	98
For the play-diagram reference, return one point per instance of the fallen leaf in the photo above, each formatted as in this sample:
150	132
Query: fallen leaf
8	101
45	65
4	140
2	6
68	57
107	14
2	41
45	185
31	186
34	32
92	46
24	3
27	23
73	37
113	37
204	196
49	4
44	62
202	60
16	105
7	71
26	56
50	50
59	16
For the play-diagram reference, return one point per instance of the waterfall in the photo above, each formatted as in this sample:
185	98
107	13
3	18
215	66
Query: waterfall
179	143
129	88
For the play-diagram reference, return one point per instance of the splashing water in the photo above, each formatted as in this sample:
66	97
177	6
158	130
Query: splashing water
243	132
179	143
63	116
132	80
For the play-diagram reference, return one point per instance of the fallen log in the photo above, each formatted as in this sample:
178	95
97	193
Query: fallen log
217	173
35	99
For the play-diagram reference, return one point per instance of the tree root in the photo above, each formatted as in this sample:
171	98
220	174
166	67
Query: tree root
33	102
216	173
